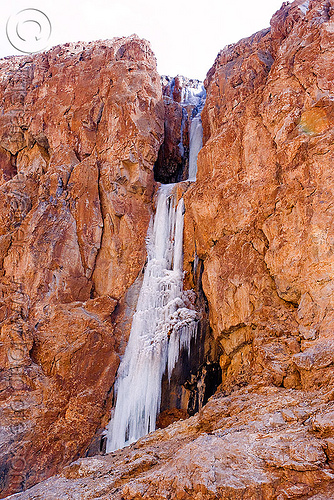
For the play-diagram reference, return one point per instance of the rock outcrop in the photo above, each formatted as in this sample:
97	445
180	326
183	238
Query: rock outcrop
259	215
268	444
80	130
259	248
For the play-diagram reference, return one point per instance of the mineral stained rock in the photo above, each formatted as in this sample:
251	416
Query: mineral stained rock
80	130
260	215
256	444
259	237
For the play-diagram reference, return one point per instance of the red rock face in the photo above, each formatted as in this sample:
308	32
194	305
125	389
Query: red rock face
258	223
265	444
259	214
80	130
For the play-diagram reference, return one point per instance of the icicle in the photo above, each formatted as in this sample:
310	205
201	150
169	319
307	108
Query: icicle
178	244
195	145
183	121
162	325
194	96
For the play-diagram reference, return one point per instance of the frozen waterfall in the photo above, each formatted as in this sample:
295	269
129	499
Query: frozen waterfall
194	96
196	140
162	325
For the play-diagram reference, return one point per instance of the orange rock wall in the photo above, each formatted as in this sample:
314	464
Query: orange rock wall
258	244
260	214
80	130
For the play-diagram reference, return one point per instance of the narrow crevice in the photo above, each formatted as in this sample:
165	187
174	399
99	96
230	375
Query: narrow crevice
8	164
99	116
170	168
92	293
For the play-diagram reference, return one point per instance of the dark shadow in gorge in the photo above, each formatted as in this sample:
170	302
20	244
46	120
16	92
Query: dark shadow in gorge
196	377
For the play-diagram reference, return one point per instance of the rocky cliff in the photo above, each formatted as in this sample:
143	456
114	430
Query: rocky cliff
259	215
80	130
258	248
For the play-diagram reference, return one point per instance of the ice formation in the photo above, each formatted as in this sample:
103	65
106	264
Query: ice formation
304	7
196	140
162	325
194	96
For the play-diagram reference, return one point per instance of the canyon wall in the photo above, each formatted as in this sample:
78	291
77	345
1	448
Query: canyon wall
80	130
259	216
259	249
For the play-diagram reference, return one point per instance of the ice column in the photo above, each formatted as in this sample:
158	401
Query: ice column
194	96
162	325
196	142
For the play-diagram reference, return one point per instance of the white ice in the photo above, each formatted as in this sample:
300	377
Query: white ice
162	325
194	96
196	142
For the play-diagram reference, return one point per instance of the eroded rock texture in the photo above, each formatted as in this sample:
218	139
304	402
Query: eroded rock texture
260	215
259	244
264	444
80	130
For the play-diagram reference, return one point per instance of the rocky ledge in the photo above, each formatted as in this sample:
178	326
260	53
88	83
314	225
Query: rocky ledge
267	443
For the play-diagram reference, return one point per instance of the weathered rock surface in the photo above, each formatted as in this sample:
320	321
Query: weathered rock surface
80	130
259	216
259	245
253	444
